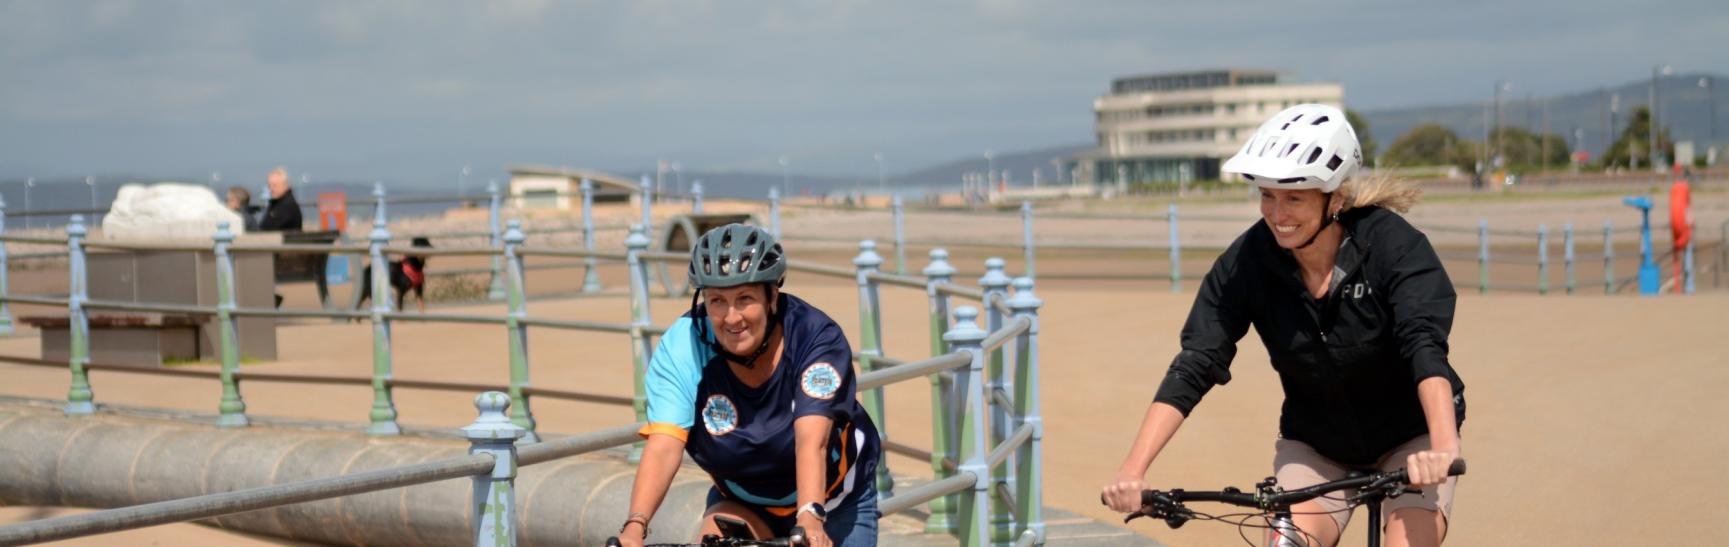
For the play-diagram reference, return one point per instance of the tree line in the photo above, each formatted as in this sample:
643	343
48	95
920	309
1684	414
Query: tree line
1521	149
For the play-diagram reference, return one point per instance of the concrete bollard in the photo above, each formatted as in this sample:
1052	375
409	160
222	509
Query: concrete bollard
79	400
495	286
943	399
517	312
871	348
494	492
1029	459
974	507
774	212
383	414
696	197
640	348
1572	281
232	408
590	275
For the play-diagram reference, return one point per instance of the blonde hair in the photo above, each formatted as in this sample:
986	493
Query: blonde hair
1379	190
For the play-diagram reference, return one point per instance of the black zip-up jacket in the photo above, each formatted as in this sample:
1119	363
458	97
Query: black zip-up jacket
281	214
1349	362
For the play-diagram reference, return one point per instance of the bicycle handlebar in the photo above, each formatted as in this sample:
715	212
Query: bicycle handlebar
796	539
1168	504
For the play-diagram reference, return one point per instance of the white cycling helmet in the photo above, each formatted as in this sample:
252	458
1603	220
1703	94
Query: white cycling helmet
1304	146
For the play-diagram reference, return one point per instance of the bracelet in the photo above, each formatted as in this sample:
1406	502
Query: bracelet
637	518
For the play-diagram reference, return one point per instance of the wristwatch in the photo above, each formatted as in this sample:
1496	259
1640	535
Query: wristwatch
815	509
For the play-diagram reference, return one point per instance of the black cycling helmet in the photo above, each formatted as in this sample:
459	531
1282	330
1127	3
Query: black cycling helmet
734	255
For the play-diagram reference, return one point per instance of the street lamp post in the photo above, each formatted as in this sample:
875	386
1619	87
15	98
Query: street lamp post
785	179
28	184
91	182
462	184
882	180
990	169
1711	98
1652	149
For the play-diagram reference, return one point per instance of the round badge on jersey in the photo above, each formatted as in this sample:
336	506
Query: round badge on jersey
820	381
719	416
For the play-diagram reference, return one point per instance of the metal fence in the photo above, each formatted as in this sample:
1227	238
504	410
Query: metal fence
986	417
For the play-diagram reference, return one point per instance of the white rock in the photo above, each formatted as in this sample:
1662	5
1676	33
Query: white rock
168	210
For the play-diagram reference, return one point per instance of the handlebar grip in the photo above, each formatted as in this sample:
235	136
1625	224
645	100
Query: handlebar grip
613	542
1458	467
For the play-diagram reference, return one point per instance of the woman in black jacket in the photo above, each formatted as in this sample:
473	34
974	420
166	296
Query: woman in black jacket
1354	308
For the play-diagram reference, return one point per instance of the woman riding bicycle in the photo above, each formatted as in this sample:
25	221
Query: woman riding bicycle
757	385
1354	308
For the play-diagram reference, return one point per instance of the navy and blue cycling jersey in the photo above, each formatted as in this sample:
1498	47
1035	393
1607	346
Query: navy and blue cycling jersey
742	435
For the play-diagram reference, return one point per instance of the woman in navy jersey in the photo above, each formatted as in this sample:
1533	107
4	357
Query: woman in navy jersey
758	387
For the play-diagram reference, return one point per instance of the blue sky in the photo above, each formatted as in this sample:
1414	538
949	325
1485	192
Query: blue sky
416	89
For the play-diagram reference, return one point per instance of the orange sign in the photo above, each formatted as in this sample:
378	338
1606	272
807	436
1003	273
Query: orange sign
332	211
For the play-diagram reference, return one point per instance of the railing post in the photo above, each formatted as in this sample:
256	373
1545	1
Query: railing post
943	398
1027	235
494	492
1608	257
1029	459
1572	281
383	407
640	349
1176	251
495	287
5	267
590	275
996	284
1482	256
520	413
899	208
79	399
1687	262
974	510
774	212
1542	259
233	409
696	197
871	348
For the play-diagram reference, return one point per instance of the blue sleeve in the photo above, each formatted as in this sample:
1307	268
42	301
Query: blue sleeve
673	373
826	383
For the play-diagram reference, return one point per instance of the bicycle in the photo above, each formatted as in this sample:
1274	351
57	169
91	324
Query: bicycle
1268	499
733	533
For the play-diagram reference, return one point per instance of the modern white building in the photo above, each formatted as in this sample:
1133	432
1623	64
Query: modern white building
541	187
1182	126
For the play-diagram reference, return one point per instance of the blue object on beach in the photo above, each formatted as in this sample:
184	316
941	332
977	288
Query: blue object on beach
1648	284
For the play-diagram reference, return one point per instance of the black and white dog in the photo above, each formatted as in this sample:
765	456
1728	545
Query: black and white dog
408	274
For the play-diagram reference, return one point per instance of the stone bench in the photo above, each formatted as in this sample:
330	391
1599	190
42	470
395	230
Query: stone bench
138	339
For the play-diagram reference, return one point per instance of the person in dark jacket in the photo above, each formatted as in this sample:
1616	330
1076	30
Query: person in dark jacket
1354	309
282	213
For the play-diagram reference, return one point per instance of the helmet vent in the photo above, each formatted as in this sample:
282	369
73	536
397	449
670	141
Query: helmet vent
1292	180
1315	155
1334	163
726	240
707	266
1248	176
1319	121
724	263
1288	151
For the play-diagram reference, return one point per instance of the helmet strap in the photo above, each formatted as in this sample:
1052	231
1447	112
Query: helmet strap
1327	219
774	321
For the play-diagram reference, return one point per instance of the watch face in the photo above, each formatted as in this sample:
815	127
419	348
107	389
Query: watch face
818	510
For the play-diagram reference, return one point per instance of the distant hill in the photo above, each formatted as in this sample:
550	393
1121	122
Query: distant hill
1686	112
1020	166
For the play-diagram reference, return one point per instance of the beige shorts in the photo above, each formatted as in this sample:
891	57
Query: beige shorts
1297	465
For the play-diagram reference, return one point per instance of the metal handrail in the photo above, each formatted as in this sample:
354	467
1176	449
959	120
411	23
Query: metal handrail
1008	332
577	253
1008	446
38	300
577	325
240	501
896	280
927	492
148	306
445	318
915	369
964	292
820	269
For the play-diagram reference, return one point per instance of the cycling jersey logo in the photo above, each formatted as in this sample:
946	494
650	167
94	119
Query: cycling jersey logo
820	381
719	416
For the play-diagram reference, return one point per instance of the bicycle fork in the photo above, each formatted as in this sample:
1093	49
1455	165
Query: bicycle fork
1284	533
